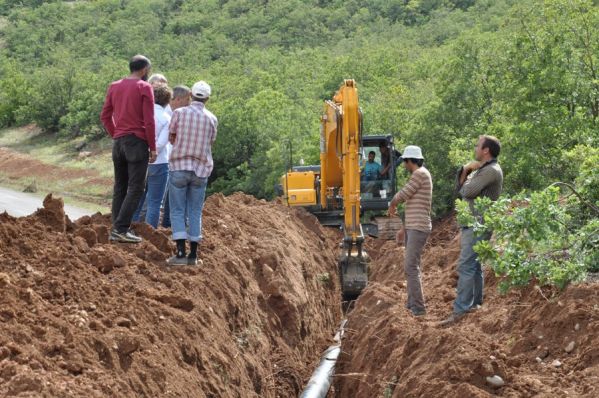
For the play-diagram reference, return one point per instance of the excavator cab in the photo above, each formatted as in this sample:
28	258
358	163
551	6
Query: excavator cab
375	195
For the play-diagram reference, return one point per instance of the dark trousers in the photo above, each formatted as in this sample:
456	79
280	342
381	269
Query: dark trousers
166	216
130	157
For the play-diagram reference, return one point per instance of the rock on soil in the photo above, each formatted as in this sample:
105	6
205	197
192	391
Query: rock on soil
495	381
81	317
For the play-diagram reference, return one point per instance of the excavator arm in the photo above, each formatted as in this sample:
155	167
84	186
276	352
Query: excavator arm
340	175
333	188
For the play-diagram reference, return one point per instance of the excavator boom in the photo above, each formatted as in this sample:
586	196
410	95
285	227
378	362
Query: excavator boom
340	170
333	188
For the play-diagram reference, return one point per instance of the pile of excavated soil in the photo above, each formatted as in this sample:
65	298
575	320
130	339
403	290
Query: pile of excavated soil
82	317
540	342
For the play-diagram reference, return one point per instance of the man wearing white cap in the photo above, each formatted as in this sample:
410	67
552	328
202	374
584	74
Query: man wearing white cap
192	133
417	195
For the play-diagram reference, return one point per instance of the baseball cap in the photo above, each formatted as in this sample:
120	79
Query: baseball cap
201	90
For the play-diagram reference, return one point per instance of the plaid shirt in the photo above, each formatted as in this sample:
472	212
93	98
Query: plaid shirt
194	131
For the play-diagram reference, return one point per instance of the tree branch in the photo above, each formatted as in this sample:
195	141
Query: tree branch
583	200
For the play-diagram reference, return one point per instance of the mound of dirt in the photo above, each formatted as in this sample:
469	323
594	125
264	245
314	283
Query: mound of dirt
82	317
539	342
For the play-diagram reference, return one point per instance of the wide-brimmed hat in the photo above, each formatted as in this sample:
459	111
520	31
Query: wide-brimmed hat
412	152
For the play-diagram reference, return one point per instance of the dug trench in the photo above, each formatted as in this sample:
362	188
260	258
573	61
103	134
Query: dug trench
81	317
540	342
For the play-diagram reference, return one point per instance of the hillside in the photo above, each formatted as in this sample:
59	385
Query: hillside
83	317
432	73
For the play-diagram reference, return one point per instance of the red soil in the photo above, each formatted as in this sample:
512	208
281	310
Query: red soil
81	317
389	353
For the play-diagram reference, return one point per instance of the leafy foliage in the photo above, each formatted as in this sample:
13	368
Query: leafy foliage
13	92
434	73
534	238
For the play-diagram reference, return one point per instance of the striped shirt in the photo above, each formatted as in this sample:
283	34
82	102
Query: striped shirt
486	181
194	129
418	195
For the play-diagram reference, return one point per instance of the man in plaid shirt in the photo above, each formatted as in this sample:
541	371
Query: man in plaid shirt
192	133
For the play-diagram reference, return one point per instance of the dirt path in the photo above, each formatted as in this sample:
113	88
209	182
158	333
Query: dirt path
389	353
19	204
22	169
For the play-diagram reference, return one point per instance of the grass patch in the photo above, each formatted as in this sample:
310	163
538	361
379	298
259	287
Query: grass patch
49	148
78	191
85	200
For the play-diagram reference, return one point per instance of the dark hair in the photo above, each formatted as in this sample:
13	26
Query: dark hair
138	62
418	162
492	143
181	91
202	100
162	95
372	153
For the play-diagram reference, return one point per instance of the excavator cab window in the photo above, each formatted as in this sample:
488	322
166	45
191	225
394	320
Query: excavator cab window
373	182
383	188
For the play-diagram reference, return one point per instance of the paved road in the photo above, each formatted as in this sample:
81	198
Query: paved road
19	204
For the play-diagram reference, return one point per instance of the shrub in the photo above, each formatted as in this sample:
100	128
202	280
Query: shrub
534	238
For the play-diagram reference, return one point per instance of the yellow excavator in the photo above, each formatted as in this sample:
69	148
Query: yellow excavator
332	190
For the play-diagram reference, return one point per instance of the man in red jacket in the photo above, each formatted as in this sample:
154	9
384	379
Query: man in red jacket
128	116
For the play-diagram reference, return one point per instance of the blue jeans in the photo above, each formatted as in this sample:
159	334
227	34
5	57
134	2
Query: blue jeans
186	195
470	282
153	194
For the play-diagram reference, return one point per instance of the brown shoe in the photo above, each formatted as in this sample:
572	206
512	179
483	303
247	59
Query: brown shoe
453	318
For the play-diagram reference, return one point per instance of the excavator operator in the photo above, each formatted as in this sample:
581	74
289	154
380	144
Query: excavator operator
372	169
370	174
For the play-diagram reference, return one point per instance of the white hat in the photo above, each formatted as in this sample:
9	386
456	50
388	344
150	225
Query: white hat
412	152
201	90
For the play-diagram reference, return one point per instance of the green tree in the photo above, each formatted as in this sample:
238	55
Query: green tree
13	92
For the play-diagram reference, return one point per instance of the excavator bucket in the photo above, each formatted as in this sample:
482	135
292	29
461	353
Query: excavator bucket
353	273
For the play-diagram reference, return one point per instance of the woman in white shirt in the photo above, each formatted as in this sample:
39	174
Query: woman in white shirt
157	171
